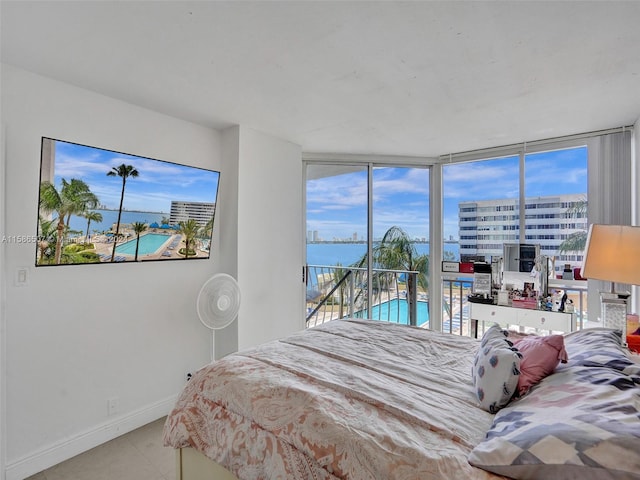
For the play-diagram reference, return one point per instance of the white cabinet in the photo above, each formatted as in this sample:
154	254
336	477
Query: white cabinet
522	317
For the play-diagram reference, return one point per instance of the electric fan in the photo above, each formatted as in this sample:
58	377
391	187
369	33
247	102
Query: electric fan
218	301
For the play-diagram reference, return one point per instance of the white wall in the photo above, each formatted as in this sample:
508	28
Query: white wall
226	340
262	243
78	335
3	336
270	238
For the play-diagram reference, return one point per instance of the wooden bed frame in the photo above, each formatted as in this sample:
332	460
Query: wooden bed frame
193	465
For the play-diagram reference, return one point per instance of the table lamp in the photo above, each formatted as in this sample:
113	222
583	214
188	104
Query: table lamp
612	254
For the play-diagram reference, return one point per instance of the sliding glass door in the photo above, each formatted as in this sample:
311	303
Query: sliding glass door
360	212
336	234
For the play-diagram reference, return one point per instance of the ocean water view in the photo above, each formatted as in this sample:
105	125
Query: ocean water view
110	217
348	253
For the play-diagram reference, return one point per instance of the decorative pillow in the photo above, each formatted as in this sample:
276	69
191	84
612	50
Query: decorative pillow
540	357
581	422
495	370
596	347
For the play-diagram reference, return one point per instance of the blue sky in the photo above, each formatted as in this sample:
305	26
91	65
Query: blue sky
157	184
337	205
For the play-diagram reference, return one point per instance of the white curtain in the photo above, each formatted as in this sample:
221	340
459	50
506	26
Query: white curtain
611	189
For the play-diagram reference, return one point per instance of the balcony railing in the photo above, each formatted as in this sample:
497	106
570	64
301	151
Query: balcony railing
455	315
335	292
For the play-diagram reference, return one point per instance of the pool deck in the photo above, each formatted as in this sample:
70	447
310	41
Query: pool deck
104	246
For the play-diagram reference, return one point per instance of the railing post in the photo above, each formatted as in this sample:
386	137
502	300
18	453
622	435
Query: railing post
352	293
413	312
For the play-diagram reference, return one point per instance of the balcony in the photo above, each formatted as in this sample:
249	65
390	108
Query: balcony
341	292
335	292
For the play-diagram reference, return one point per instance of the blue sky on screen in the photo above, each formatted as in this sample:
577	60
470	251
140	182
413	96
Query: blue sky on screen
337	205
157	184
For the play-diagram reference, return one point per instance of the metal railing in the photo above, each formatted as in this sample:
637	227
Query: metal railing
455	312
335	292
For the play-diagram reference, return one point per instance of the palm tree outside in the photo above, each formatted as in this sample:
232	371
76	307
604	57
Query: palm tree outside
123	171
190	230
577	241
396	251
138	228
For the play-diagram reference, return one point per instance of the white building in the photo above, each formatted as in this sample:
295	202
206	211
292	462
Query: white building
485	226
201	212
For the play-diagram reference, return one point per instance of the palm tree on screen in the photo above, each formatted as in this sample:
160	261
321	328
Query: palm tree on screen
190	230
51	200
46	238
92	216
123	171
80	196
207	230
138	228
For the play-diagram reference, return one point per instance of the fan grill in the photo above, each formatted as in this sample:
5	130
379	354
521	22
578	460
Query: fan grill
218	301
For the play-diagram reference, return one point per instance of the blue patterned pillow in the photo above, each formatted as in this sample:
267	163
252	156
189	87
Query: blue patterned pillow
581	422
495	370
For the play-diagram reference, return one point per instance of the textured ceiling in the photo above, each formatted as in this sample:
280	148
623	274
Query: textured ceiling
392	78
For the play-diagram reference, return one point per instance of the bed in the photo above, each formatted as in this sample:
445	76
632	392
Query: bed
360	399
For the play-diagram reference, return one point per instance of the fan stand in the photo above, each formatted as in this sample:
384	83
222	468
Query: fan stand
218	303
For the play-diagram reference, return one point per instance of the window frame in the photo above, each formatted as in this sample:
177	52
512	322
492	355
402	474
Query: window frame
596	188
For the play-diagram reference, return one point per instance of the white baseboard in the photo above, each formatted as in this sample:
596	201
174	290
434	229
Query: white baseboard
65	449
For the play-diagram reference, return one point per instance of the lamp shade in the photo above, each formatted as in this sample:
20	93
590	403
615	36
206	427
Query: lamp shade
613	254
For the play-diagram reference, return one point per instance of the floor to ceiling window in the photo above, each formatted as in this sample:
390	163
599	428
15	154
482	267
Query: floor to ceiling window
556	205
535	193
336	214
481	200
537	198
480	208
358	212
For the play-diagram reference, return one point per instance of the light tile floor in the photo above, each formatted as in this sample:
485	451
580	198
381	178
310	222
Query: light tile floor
137	455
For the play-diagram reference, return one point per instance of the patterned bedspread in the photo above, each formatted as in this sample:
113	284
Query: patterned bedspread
582	422
350	399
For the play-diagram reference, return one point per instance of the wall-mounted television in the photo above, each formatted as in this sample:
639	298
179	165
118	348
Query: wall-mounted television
102	206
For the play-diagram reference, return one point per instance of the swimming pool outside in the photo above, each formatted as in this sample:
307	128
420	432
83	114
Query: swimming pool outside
396	311
150	243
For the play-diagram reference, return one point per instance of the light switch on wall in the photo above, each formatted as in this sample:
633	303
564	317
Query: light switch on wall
22	276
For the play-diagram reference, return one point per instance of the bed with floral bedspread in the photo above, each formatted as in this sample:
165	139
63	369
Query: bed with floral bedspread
351	399
359	399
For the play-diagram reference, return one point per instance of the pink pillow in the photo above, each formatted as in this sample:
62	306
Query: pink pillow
540	357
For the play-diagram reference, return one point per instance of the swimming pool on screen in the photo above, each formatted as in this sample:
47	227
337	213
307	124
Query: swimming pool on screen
149	244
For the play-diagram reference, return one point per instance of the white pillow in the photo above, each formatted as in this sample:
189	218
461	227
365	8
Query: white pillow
496	369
